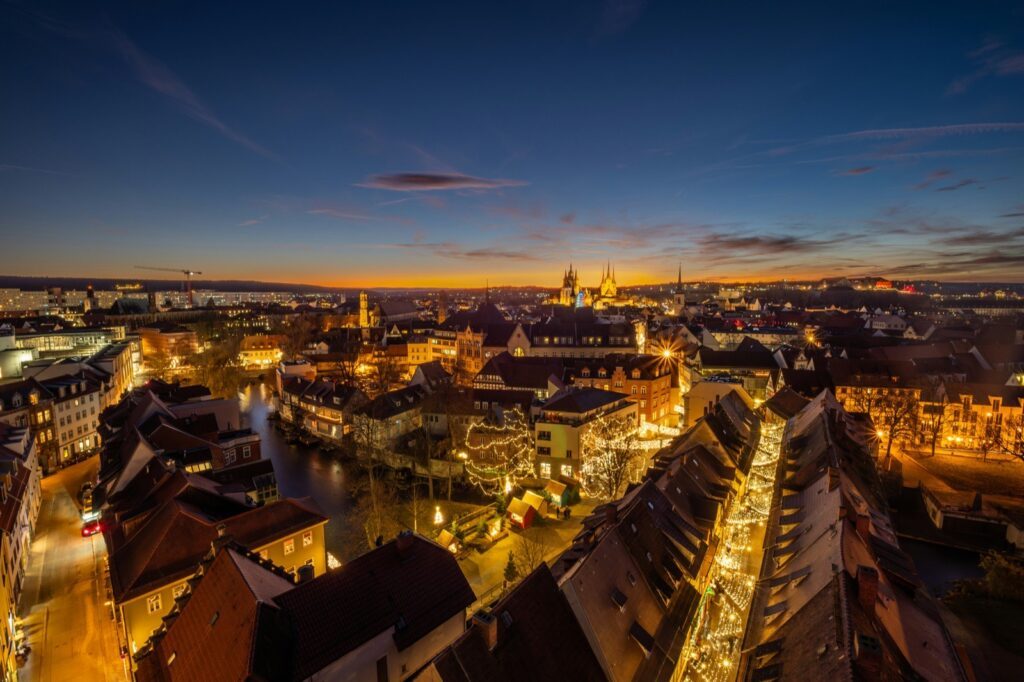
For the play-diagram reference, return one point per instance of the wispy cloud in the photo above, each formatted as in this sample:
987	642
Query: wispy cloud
993	58
453	250
958	129
253	221
984	237
859	170
960	184
156	76
933	177
340	214
426	182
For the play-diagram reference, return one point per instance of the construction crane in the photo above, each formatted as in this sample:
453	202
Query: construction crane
185	271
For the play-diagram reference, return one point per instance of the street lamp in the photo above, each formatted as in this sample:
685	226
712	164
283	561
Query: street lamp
438	516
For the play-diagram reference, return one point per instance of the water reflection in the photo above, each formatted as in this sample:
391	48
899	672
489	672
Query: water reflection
301	471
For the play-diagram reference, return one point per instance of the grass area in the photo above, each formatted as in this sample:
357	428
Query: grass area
997	477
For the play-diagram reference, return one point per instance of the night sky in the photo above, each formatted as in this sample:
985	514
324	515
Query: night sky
445	143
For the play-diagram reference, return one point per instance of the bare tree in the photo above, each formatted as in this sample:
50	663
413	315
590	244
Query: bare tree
895	415
378	512
297	332
529	552
933	421
218	367
611	455
384	373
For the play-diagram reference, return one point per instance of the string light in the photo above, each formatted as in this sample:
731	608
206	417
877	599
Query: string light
502	453
712	647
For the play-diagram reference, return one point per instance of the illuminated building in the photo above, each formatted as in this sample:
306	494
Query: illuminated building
19	509
562	422
838	598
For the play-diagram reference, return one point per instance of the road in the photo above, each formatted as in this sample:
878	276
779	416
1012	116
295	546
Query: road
63	605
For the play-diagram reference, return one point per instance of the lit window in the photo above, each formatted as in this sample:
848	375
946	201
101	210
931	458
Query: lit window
566	470
289	546
178	590
545	469
154	603
307	538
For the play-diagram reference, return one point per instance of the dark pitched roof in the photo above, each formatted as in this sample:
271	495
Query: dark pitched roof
394	402
580	400
537	638
410	584
786	403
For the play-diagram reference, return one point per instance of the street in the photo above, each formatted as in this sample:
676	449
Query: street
63	611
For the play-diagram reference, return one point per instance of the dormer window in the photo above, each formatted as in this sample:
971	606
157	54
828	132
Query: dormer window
636	374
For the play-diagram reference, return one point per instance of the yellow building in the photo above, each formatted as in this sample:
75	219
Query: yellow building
149	568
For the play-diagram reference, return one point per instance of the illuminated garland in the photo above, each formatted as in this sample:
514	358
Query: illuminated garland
610	449
713	645
506	447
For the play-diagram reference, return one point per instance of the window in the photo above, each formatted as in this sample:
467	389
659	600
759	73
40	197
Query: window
229	456
382	669
542	450
543	435
566	470
643	390
178	590
246	451
633	390
289	546
307	538
643	403
545	469
154	603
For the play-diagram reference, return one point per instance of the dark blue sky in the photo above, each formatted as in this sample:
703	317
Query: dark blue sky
446	143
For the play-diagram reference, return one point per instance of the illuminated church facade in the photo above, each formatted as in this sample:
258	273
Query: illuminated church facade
574	295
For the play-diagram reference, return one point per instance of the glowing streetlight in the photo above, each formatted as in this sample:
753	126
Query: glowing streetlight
438	516
508	485
667	353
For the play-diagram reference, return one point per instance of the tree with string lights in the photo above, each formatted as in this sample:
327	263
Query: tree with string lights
612	457
499	450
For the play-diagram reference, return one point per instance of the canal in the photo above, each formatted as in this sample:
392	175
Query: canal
305	471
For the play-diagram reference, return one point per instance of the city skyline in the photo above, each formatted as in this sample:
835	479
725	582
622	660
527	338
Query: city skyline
322	147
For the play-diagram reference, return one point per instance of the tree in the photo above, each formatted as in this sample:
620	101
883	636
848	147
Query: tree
895	416
218	367
378	512
298	333
500	450
511	574
530	551
384	373
159	362
611	455
933	422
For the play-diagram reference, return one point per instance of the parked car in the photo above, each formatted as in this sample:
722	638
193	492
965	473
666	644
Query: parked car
91	528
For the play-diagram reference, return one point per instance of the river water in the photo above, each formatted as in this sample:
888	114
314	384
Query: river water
303	471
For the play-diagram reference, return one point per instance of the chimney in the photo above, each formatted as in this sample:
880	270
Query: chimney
864	527
487	625
611	513
404	543
222	539
867	588
867	654
304	574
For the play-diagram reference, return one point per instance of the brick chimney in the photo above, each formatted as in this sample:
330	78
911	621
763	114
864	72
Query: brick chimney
222	539
487	625
867	588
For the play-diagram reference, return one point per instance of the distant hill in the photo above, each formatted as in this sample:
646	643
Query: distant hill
102	283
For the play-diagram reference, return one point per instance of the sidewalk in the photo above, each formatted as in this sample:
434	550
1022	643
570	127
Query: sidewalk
486	572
